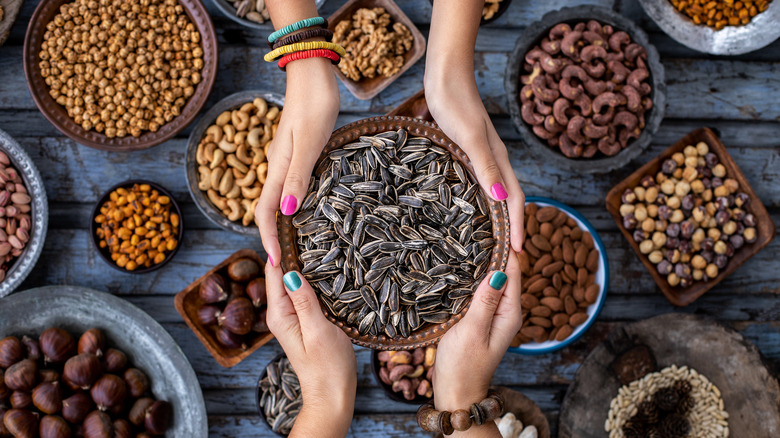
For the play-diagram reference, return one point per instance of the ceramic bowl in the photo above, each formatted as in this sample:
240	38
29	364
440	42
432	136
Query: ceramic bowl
229	11
392	395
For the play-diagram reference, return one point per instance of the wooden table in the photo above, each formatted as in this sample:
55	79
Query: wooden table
740	96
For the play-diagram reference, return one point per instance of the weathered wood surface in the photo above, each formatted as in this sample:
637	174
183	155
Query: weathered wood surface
738	96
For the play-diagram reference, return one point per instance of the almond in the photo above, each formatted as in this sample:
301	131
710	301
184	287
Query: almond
542	311
540	322
553	303
570	272
550	291
581	256
546	214
532	250
552	268
525	265
530	211
533	332
542	243
576	234
557	282
541	263
587	239
578	294
557	253
546	229
592	263
557	237
592	293
578	319
568	251
582	277
528	301
560	219
532	227
553	333
569	305
570	222
564	332
538	285
560	319
566	291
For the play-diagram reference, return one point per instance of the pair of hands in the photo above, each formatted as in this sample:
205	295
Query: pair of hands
324	359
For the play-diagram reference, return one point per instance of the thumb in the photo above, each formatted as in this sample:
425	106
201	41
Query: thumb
296	182
485	303
488	172
305	302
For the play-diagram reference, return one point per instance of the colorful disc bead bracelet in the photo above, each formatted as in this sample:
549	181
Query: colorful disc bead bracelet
316	53
446	422
316	32
303	24
273	55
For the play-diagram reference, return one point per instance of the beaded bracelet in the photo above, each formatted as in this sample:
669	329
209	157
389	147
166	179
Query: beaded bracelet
316	53
308	22
316	32
446	423
273	55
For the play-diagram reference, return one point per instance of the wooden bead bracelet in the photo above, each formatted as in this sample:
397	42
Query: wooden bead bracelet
445	422
316	53
316	32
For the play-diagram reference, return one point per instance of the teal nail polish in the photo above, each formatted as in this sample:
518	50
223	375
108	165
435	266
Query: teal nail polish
497	280
293	281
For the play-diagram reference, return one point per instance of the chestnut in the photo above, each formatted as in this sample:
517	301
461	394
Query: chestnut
98	425
243	270
114	361
81	371
21	423
5	392
122	429
76	407
230	339
238	316
213	289
11	351
31	348
21	376
236	290
20	400
52	426
260	326
92	341
3	430
47	397
208	314
57	345
255	289
48	375
137	413
109	391
137	382
158	417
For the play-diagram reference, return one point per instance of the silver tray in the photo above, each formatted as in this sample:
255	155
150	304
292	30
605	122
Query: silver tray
762	30
39	214
148	346
227	8
234	101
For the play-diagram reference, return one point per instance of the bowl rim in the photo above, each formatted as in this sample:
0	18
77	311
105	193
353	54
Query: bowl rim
191	165
578	331
502	7
39	214
431	333
57	115
260	412
226	9
392	395
531	35
96	211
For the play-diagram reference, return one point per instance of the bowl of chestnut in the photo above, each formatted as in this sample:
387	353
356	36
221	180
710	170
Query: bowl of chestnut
226	308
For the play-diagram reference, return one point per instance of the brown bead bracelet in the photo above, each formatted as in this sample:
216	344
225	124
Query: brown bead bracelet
446	422
304	35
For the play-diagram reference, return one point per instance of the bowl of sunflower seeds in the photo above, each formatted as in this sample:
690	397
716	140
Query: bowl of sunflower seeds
394	234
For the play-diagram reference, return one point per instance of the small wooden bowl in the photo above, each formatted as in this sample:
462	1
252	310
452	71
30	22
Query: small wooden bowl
367	88
11	10
58	116
429	333
415	106
188	301
392	395
105	255
765	228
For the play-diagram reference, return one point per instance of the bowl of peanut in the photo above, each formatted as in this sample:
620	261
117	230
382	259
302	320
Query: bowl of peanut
227	158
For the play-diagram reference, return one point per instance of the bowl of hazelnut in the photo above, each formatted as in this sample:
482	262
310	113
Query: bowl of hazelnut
691	216
110	87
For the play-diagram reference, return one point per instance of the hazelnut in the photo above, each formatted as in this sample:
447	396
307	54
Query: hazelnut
682	188
673	255
742	199
667	187
690	151
673	279
685	246
651	194
702	149
730	227
711	159
664	212
721	260
640	212
673	230
678	158
673	202
664	267
688	202
698	236
731	184
750	220
697	274
719	247
699	213
737	241
629	221
689	174
711	271
750	235
687	228
697	186
659	239
655	257
647	181
646	246
652	210
719	170
669	166
721	191
639	236
698	262
691	161
648	225
625	209
640	193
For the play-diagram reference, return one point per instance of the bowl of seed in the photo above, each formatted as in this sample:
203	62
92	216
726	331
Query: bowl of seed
279	398
394	234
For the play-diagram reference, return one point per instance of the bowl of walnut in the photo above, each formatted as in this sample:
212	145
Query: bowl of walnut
374	27
132	82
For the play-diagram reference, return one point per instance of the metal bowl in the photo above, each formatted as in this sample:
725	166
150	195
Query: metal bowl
259	393
127	327
58	116
234	101
762	30
392	395
531	37
602	279
428	334
39	214
229	11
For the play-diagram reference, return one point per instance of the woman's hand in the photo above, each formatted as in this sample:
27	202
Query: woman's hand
470	352
319	352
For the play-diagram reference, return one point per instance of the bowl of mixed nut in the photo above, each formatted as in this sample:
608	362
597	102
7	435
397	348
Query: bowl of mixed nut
132	82
227	158
250	13
585	89
24	214
394	234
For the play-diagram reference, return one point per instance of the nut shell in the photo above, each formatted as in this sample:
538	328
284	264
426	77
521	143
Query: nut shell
158	417
76	407
243	270
137	413
238	316
208	314
31	348
213	289
81	371
108	392
255	289
57	345
230	339
114	361
47	397
92	341
21	423
98	425
122	429
20	400
137	382
52	426
21	376
11	351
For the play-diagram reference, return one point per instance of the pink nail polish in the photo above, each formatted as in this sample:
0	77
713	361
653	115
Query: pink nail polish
289	204
498	192
271	260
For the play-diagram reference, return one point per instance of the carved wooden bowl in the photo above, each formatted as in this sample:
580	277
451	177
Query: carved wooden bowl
429	333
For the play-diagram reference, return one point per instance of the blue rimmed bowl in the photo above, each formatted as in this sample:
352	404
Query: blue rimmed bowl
602	279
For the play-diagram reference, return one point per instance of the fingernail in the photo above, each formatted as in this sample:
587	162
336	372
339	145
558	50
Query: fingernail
289	204
498	191
293	281
497	280
271	260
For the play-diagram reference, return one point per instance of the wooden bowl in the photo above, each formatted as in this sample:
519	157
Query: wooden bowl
11	10
105	255
514	70
415	106
765	228
58	116
188	302
392	395
367	88
429	333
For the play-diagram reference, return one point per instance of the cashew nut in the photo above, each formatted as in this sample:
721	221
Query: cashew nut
542	92
551	46
253	138
247	180
215	199
529	115
247	108
559	31
262	172
208	151
249	214
216	177
219	155
262	107
259	155
542	108
200	156
204	181
569	44
223	119
233	161
235	210
235	192
559	110
242	153
574	127
230	132
254	121
240	137
214	134
618	40
240	120
551	125
252	192
226	183
227	147
272	113
542	133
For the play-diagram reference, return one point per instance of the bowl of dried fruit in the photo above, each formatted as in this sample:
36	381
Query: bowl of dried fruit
143	93
585	89
394	233
25	214
250	13
136	226
565	277
227	158
691	216
393	34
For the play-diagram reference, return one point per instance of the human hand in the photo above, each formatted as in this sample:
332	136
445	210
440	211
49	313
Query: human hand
319	352
469	353
310	110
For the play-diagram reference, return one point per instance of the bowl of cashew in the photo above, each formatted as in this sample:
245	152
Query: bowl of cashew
226	158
